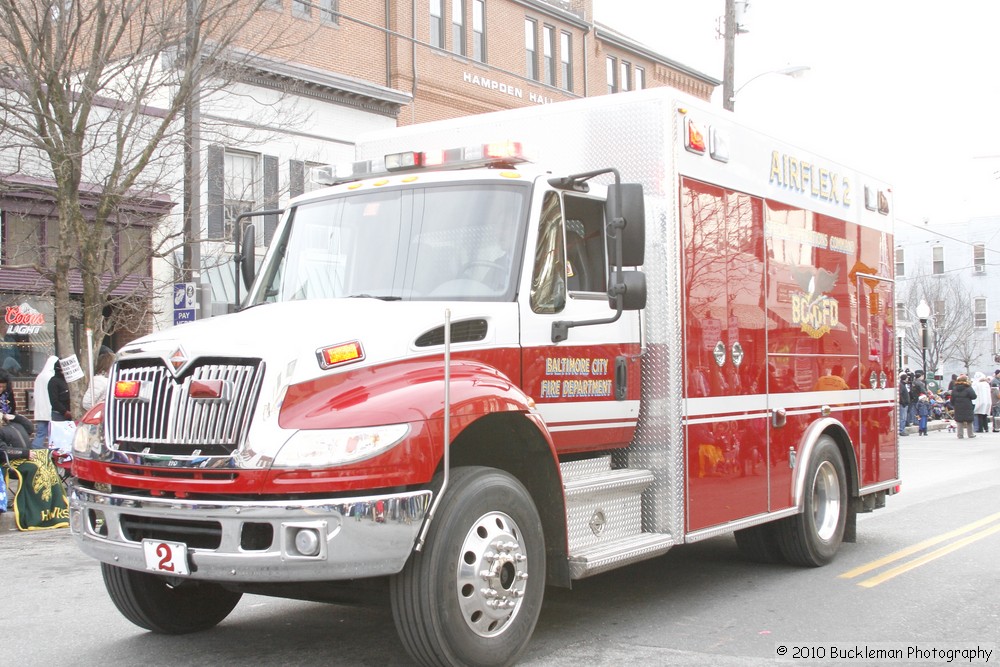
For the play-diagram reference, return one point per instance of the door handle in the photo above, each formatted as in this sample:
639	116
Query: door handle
621	378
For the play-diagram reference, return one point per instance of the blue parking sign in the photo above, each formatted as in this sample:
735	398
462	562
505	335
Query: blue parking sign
183	315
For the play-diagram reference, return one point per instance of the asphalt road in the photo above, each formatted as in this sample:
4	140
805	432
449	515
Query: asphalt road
924	573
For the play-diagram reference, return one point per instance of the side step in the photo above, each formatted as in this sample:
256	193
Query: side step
604	517
616	554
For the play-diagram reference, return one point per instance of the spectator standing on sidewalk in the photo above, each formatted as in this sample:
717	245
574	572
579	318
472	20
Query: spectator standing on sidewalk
923	412
963	399
995	396
59	396
984	403
904	403
917	389
43	407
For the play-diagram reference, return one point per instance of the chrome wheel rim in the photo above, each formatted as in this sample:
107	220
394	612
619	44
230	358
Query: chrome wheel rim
492	574
826	501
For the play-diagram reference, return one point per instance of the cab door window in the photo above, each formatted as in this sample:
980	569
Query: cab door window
586	260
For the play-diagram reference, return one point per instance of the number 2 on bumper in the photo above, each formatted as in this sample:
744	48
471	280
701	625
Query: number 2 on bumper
166	557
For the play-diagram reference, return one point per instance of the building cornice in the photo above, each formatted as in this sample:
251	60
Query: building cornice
620	41
321	84
552	10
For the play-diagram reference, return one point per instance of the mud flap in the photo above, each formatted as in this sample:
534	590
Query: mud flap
851	524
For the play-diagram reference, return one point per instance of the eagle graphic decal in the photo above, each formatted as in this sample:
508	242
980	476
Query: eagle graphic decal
812	309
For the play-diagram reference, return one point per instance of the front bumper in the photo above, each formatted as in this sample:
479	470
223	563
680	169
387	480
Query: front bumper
251	541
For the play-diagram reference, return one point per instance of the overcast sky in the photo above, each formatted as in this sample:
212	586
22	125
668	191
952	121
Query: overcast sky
905	90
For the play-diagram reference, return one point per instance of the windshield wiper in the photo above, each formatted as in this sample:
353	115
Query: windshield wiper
374	296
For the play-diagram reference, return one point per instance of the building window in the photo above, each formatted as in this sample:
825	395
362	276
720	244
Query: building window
302	8
437	24
901	313
566	59
458	27
937	313
626	76
979	313
21	241
612	73
938	263
241	183
273	4
979	258
530	53
548	54
640	78
900	263
479	30
328	10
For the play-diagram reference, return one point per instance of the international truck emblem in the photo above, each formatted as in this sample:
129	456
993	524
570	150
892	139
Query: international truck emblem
812	309
178	359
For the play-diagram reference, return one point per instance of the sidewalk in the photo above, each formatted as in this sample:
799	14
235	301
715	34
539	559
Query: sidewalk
940	425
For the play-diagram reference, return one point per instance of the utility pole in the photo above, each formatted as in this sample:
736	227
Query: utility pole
192	165
729	56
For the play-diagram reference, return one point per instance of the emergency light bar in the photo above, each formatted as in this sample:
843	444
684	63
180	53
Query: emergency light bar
503	154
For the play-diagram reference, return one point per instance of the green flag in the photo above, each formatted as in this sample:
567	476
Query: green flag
40	500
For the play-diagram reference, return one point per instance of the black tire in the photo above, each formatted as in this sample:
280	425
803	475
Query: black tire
759	544
466	598
151	603
813	537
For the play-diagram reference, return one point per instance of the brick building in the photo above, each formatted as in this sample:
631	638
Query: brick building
460	57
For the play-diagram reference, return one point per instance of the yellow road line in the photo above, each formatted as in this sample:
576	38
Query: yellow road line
920	546
926	558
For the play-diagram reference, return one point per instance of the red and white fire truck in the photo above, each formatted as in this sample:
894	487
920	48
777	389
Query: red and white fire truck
465	376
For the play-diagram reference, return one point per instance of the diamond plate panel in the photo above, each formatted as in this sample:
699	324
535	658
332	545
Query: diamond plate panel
622	518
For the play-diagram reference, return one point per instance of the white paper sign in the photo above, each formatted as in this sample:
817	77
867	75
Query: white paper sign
71	368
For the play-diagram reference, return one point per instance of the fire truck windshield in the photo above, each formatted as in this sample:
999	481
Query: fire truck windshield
432	243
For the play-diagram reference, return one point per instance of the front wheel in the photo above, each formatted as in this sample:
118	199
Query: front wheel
813	537
149	601
473	595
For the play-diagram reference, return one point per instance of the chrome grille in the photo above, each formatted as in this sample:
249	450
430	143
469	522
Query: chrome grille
168	416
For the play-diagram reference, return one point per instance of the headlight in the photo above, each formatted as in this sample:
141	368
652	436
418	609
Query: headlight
327	447
88	440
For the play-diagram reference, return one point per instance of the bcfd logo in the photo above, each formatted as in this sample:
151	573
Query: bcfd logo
23	320
815	312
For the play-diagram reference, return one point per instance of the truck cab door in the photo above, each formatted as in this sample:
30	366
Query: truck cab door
587	386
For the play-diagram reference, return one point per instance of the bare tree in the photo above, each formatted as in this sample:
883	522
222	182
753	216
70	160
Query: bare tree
93	95
952	334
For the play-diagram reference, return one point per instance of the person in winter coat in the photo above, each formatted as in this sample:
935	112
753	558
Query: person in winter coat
43	408
917	389
98	387
59	396
984	403
15	430
904	402
8	407
963	400
923	412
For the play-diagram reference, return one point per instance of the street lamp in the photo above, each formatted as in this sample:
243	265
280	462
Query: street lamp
923	313
796	71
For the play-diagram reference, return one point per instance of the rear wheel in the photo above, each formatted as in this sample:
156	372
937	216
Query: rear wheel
152	603
473	595
813	537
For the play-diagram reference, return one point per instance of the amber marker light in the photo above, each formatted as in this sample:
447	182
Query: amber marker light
127	389
337	355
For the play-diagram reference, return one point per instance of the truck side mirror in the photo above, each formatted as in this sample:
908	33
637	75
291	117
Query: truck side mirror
626	200
633	291
248	258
